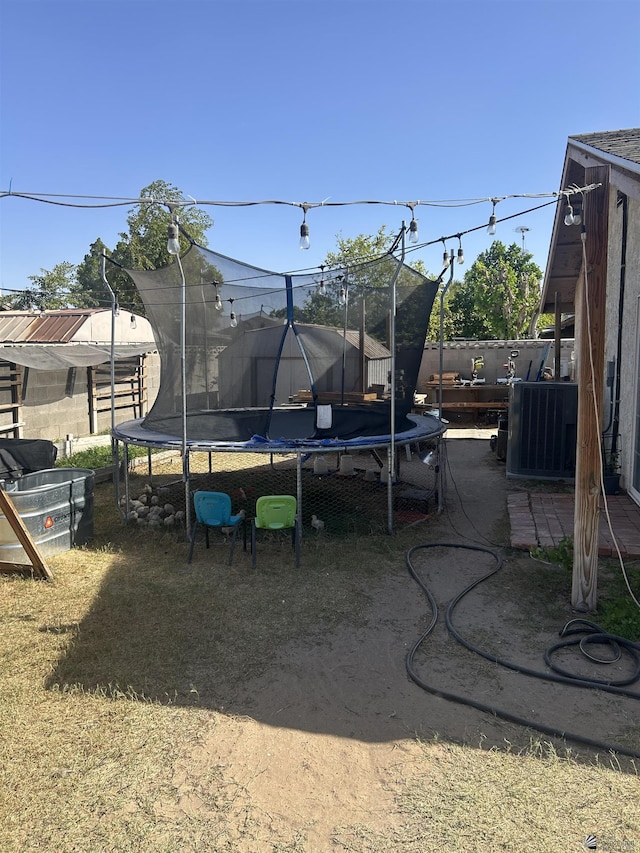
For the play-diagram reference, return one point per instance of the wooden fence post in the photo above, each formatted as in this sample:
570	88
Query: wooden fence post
591	328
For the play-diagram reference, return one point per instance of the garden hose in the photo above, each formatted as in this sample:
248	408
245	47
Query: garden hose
591	629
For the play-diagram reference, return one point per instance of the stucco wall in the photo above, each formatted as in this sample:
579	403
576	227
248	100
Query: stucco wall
627	328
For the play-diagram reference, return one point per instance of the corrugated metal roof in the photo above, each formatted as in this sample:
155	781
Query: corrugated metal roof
50	327
619	143
372	348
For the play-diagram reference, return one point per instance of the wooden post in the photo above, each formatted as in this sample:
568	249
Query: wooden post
36	561
590	303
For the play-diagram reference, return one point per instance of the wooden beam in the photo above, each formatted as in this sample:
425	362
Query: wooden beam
590	331
40	568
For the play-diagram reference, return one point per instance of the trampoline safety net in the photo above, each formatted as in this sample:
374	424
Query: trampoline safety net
246	353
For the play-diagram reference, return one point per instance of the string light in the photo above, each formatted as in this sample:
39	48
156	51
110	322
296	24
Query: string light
322	288
413	229
304	229
460	250
233	320
571	216
342	295
111	201
568	215
133	323
173	228
446	260
218	303
491	227
173	241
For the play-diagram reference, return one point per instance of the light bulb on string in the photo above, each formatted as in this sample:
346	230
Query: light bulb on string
491	227
413	230
133	323
173	241
233	320
460	251
446	260
304	229
342	295
218	303
322	288
569	218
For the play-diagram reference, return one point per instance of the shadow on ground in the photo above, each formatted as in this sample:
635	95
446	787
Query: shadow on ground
324	649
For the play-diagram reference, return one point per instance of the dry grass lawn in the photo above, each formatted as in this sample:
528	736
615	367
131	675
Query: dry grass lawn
131	718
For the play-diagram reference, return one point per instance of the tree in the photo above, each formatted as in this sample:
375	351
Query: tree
143	246
52	289
357	276
450	324
498	297
89	277
365	274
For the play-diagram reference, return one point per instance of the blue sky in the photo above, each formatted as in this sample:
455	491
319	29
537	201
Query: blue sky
301	100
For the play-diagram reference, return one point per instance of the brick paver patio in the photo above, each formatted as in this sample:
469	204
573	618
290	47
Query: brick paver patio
542	520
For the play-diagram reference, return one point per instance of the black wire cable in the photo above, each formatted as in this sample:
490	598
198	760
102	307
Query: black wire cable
480	706
464	512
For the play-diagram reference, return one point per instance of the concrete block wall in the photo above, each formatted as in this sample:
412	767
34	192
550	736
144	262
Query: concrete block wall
55	403
458	356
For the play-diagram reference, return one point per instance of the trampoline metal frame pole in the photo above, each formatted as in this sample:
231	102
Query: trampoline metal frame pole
112	364
299	493
345	323
183	378
391	457
440	475
206	341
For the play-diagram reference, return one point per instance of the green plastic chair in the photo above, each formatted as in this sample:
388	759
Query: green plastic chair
276	512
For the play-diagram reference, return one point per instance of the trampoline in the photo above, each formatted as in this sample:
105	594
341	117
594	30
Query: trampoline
254	361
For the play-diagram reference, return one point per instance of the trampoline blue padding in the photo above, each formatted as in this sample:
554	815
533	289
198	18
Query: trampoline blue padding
418	428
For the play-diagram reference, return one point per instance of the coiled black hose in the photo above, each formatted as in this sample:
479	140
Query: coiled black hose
593	631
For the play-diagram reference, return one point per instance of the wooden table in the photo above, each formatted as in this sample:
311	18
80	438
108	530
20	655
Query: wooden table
466	398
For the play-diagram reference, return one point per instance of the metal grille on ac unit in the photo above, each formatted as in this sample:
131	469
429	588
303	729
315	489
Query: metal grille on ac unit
542	430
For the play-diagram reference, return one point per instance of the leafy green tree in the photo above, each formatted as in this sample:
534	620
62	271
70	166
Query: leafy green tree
144	245
545	321
498	297
51	289
89	277
359	278
366	270
449	324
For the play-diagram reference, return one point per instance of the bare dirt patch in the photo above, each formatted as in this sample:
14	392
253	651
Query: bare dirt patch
150	705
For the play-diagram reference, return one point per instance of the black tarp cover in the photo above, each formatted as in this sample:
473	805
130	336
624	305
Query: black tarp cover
20	456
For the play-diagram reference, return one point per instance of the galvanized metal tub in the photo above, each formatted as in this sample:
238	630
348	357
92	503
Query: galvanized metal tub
56	507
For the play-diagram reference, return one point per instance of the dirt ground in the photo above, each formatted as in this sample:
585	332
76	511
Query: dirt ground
324	738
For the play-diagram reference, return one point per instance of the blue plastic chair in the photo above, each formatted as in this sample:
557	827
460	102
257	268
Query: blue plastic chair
213	509
276	512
